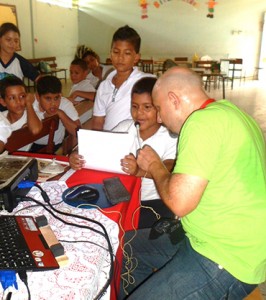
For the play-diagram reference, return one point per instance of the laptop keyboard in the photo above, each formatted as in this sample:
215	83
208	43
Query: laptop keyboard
14	252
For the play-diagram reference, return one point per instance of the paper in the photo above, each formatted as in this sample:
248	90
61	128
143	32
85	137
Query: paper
103	150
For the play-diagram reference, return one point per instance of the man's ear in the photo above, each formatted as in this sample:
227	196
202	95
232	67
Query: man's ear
174	99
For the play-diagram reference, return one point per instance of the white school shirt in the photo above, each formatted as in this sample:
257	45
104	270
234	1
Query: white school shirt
69	109
5	128
17	125
114	104
162	142
84	86
106	69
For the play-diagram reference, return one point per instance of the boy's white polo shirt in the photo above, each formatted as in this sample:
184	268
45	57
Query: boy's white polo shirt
17	125
114	104
83	86
69	109
5	128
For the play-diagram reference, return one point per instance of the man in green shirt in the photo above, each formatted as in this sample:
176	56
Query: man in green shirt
218	188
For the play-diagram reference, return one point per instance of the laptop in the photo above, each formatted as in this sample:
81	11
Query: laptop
22	245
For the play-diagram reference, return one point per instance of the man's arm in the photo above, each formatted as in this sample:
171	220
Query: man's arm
97	123
180	192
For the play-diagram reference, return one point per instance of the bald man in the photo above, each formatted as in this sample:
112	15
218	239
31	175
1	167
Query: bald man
218	188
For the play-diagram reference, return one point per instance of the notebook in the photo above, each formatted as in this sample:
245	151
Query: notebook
22	246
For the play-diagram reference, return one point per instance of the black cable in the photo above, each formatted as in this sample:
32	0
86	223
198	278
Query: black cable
24	278
104	234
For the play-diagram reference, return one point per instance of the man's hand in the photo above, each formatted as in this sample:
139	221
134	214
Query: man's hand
148	160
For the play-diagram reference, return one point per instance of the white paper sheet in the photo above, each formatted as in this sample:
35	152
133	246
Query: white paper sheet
104	150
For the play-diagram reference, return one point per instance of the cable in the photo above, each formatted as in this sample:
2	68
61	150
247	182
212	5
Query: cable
104	233
24	278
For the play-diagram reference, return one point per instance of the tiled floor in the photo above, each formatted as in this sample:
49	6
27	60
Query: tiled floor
250	96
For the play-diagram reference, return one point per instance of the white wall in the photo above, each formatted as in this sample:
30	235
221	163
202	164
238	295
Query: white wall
55	30
178	29
174	29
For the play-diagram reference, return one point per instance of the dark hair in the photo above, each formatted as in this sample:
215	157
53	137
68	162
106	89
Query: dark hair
80	62
128	34
8	81
92	53
48	84
143	85
6	27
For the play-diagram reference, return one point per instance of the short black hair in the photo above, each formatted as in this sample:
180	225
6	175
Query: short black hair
8	81
128	34
48	84
143	85
80	62
92	53
6	27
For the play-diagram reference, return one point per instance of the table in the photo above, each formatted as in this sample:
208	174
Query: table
89	263
220	75
209	75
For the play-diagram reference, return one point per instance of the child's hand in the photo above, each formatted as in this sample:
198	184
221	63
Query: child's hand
76	161
30	99
129	164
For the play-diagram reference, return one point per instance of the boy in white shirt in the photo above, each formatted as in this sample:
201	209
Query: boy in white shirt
49	102
82	88
112	102
150	133
5	132
19	106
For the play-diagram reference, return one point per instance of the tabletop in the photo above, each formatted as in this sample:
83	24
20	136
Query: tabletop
88	267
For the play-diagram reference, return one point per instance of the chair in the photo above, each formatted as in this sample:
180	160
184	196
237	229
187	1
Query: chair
168	63
23	136
235	70
207	66
146	65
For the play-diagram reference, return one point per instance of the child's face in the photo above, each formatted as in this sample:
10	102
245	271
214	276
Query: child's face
49	103
92	62
15	100
143	111
123	56
9	42
77	74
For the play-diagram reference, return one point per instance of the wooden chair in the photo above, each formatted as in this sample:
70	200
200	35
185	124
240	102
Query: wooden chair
181	59
23	136
146	65
255	295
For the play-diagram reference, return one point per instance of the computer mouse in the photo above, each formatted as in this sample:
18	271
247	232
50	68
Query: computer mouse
83	193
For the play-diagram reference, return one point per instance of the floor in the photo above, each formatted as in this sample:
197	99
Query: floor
249	95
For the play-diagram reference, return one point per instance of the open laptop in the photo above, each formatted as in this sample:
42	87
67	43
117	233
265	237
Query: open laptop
22	246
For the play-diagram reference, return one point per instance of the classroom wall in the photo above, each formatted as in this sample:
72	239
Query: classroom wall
46	30
177	28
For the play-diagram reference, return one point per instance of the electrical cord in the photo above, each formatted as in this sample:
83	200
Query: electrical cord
24	278
104	233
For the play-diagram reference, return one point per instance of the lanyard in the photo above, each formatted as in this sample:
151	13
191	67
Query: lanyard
206	103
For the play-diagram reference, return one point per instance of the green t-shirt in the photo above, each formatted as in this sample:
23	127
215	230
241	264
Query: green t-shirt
225	146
